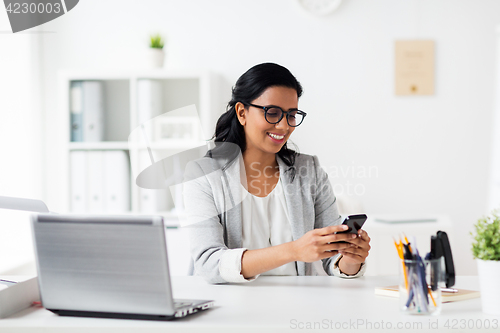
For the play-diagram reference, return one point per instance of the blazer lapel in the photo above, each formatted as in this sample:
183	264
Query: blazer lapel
232	178
293	199
294	202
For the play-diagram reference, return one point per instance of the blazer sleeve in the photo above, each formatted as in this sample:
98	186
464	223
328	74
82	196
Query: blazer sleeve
327	213
212	258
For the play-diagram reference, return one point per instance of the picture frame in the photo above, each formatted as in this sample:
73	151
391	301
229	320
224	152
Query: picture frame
170	129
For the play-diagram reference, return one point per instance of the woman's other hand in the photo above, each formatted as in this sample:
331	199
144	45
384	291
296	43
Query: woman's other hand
354	256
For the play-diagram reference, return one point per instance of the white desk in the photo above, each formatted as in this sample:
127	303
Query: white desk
276	304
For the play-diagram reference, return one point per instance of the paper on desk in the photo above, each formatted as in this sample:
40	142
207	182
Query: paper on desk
462	294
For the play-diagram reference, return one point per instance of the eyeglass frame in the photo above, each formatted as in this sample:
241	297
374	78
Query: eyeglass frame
266	108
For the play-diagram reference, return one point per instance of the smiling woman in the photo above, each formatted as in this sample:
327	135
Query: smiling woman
250	212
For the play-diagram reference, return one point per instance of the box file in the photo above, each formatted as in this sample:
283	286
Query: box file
18	296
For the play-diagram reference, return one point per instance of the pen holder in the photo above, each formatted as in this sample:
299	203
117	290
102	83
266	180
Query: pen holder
420	283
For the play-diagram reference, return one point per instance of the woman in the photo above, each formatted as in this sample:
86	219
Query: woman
257	207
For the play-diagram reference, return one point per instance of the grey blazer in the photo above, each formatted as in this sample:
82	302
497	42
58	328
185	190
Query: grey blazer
212	198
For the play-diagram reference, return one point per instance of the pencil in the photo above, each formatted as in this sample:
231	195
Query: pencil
432	297
400	254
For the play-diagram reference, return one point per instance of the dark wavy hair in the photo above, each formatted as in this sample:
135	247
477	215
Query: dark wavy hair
248	87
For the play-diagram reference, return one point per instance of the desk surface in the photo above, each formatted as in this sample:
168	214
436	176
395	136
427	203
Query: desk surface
278	304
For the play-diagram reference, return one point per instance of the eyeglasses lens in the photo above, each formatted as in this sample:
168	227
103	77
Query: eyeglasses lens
273	116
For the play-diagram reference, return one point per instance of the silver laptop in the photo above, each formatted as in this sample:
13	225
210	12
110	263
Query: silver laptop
106	266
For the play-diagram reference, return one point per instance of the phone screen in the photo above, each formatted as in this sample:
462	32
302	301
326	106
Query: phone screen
354	222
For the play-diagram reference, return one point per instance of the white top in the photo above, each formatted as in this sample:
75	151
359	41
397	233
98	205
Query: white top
265	223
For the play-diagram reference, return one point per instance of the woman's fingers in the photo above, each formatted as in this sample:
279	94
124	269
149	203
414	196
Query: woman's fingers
362	240
331	229
327	242
359	252
364	235
355	250
345	237
331	234
336	246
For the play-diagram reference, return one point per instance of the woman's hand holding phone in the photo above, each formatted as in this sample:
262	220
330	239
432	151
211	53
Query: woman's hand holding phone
355	255
323	243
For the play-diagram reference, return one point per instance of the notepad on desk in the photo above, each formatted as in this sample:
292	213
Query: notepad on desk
460	295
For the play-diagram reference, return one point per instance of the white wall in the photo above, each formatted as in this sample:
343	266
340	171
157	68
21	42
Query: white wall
427	154
21	167
494	198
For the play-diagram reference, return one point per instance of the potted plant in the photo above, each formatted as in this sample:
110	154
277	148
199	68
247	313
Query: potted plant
486	249
156	53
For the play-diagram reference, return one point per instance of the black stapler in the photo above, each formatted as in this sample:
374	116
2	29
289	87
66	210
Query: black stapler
440	246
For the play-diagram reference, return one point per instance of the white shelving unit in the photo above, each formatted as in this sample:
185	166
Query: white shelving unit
121	116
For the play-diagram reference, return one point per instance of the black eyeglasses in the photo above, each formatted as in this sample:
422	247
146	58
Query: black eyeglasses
274	114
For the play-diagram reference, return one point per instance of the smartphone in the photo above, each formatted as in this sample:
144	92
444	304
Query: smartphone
354	222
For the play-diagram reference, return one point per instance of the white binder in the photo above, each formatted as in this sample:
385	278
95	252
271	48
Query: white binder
76	111
93	113
78	176
149	104
116	181
95	181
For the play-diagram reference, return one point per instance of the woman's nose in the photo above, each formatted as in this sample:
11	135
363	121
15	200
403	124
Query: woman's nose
283	123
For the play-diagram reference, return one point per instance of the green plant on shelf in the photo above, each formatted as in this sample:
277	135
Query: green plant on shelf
486	245
156	42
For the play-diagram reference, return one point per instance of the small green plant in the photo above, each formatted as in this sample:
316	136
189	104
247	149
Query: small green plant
486	245
156	42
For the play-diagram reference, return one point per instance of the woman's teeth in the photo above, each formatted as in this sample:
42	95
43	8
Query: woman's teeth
277	137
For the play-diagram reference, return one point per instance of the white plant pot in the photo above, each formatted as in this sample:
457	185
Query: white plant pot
489	271
156	58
